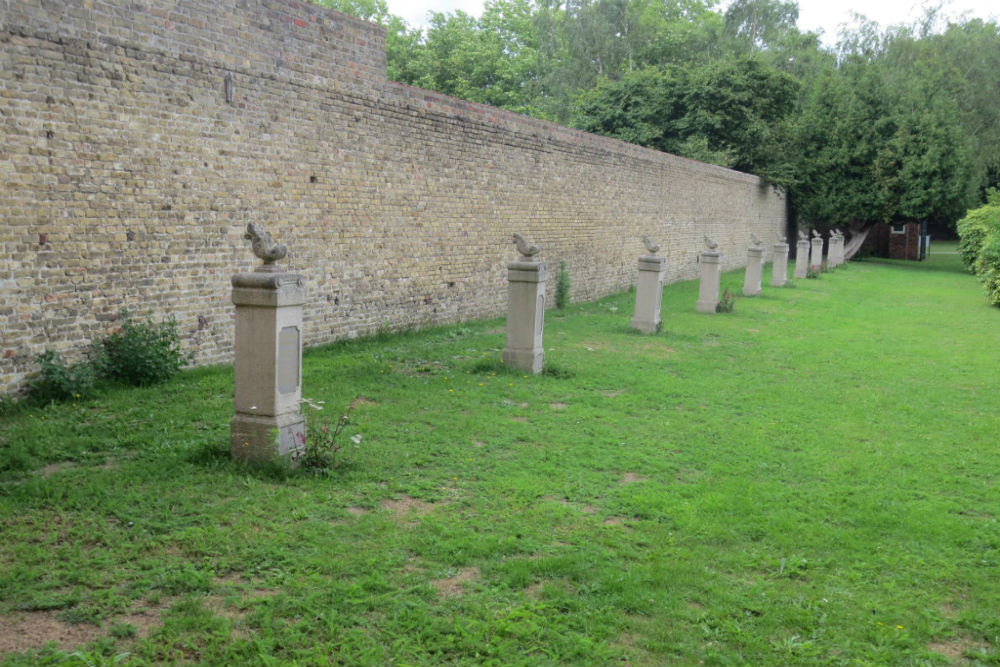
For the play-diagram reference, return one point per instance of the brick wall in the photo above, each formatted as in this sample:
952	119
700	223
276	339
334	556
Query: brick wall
129	179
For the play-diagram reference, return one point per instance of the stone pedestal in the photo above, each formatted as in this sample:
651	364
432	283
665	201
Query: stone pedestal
802	258
711	274
268	421
835	252
816	258
755	269
525	316
779	269
649	294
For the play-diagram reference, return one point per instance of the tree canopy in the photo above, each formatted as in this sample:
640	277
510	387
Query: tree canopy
897	123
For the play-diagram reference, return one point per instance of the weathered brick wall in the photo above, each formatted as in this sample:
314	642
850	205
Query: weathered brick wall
128	180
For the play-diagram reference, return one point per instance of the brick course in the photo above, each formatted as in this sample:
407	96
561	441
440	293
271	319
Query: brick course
129	180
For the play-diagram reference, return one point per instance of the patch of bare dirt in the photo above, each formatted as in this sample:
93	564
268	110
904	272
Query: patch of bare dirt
406	505
22	631
558	406
613	521
955	649
633	478
53	468
612	393
357	511
523	420
361	400
455	586
478	443
146	617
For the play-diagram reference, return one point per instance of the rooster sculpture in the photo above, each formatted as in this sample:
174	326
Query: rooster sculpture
527	250
262	244
710	244
651	248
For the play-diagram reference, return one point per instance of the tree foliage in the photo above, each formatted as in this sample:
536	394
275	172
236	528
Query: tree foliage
898	123
979	232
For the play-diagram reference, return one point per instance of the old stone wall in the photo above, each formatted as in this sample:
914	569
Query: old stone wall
129	176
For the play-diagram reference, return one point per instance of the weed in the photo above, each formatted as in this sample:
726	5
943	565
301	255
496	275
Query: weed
59	381
562	286
812	273
323	444
142	352
726	303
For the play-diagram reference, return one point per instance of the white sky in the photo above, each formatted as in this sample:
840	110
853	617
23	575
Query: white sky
815	15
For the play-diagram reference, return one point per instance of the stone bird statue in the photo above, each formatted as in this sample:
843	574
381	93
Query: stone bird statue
712	245
802	235
262	244
816	235
754	240
527	250
651	248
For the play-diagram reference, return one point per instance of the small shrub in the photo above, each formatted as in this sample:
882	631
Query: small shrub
726	303
979	231
562	286
323	445
812	274
60	381
142	353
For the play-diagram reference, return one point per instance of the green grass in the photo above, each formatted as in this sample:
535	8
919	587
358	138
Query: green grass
811	479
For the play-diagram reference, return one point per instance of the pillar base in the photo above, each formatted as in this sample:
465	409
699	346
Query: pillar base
528	361
261	438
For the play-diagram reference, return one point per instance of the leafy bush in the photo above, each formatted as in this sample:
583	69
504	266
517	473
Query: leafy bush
142	353
726	303
59	381
322	447
562	286
979	246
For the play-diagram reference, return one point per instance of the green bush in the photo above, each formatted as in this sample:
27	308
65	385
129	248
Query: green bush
60	381
142	353
979	246
562	286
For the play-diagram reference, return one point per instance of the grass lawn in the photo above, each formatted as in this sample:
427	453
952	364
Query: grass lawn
811	479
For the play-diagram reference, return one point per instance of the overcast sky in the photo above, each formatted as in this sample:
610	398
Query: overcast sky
815	15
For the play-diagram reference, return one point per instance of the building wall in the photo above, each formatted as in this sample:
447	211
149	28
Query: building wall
129	180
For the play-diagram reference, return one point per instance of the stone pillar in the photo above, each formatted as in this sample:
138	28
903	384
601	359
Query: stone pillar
816	258
711	274
649	294
831	252
837	250
525	315
268	421
755	269
802	258
779	270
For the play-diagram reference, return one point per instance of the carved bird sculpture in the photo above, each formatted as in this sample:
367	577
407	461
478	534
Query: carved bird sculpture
802	235
710	244
262	244
651	248
756	241
816	235
527	250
